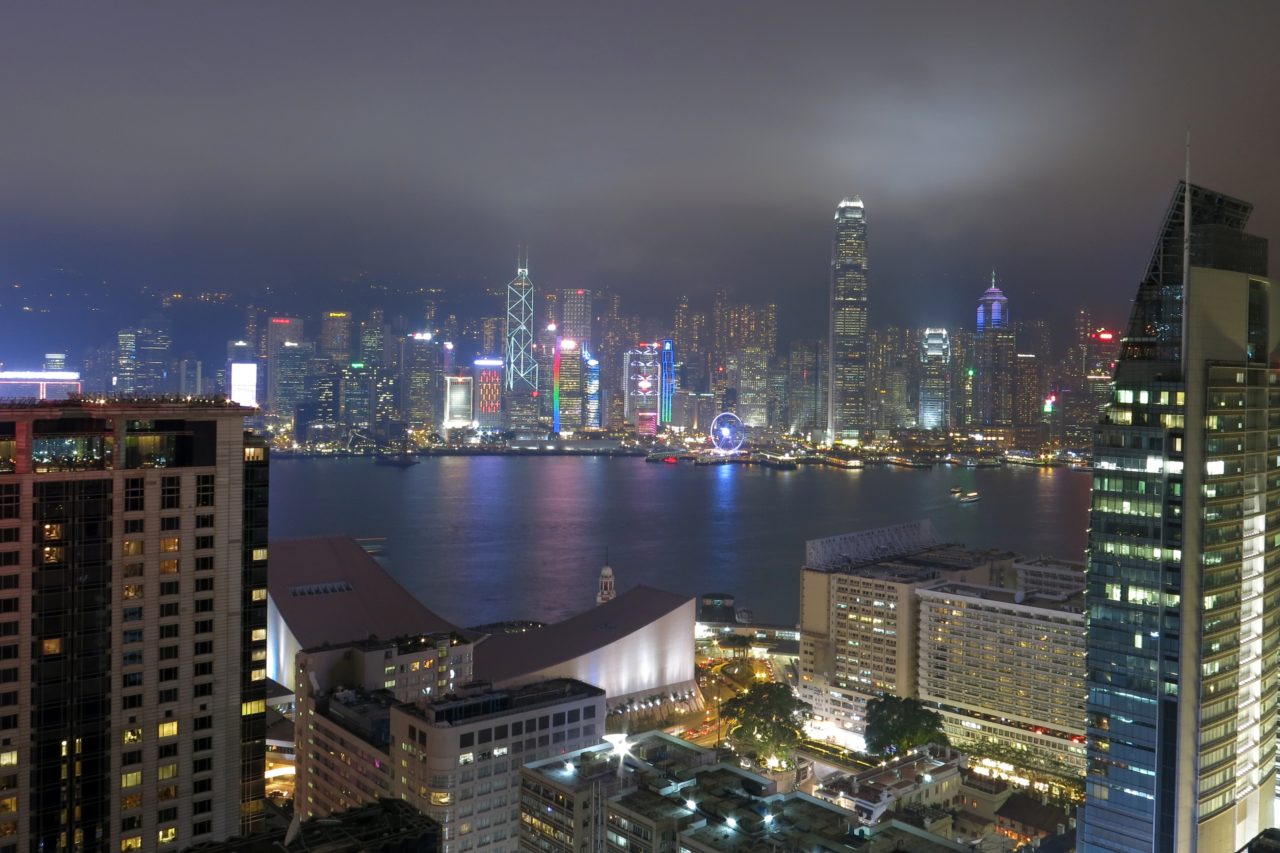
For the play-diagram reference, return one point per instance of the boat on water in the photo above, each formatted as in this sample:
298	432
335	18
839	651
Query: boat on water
956	491
970	497
396	460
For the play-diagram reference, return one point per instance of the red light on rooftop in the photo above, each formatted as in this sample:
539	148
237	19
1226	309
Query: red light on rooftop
581	292
283	321
1106	336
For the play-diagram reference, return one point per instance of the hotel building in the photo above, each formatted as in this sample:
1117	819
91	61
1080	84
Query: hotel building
133	614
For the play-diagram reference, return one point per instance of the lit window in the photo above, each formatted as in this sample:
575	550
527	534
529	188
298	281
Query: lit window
259	634
260	594
167	835
131	801
133	842
258	675
441	798
133	735
9	759
132	591
259	554
169	544
167	771
133	548
467	758
8	805
257	706
1215	467
169	567
167	729
390	683
131	780
52	647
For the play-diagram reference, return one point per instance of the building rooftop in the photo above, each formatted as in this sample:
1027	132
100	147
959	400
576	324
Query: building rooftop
504	656
1031	813
1072	604
330	591
100	406
387	825
474	703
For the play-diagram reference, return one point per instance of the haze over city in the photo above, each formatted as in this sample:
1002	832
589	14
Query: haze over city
676	149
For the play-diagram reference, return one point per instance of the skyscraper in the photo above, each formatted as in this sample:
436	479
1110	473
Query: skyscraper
935	380
847	391
566	390
994	351
335	336
1184	564
576	314
592	397
135	633
487	378
522	366
642	381
669	379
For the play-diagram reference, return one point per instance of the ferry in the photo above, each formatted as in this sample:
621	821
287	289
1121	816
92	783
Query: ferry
970	497
956	491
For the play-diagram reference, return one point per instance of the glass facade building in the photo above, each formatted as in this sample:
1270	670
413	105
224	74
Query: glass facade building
1183	593
847	391
935	380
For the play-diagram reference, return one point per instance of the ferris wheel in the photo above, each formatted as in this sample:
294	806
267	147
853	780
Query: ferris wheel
727	432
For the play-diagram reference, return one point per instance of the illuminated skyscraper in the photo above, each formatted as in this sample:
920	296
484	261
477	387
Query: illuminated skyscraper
421	379
669	380
522	365
335	336
642	381
566	391
592	408
1184	560
847	391
994	350
280	330
576	315
935	380
487	387
459	402
373	340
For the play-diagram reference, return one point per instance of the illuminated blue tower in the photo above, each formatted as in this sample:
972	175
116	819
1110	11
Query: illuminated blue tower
590	390
668	385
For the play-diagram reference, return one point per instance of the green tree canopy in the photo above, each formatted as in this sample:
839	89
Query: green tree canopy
770	721
896	725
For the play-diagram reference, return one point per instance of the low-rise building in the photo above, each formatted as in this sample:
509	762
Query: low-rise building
657	793
401	719
929	777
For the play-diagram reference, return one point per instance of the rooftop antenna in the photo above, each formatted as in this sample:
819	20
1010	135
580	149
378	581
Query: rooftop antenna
1186	250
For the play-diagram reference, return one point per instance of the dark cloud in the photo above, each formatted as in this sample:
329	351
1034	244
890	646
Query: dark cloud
657	147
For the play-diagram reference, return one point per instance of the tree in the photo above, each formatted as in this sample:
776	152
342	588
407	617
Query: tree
770	721
897	725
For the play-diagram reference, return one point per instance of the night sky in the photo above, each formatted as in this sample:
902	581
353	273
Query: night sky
650	147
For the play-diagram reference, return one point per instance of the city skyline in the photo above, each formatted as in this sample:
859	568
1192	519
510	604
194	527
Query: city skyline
294	192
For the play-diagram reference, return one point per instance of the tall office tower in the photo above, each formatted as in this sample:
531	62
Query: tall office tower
153	361
576	315
1184	563
642	382
292	364
487	385
720	325
749	369
491	335
335	336
935	380
805	387
684	333
1030	388
592	410
373	339
191	381
459	402
847	389
135	566
670	381
280	330
994	351
566	391
55	361
387	422
961	341
319	416
420	379
522	365
126	362
355	400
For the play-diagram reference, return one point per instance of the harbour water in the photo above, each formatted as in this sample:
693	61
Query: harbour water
485	538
